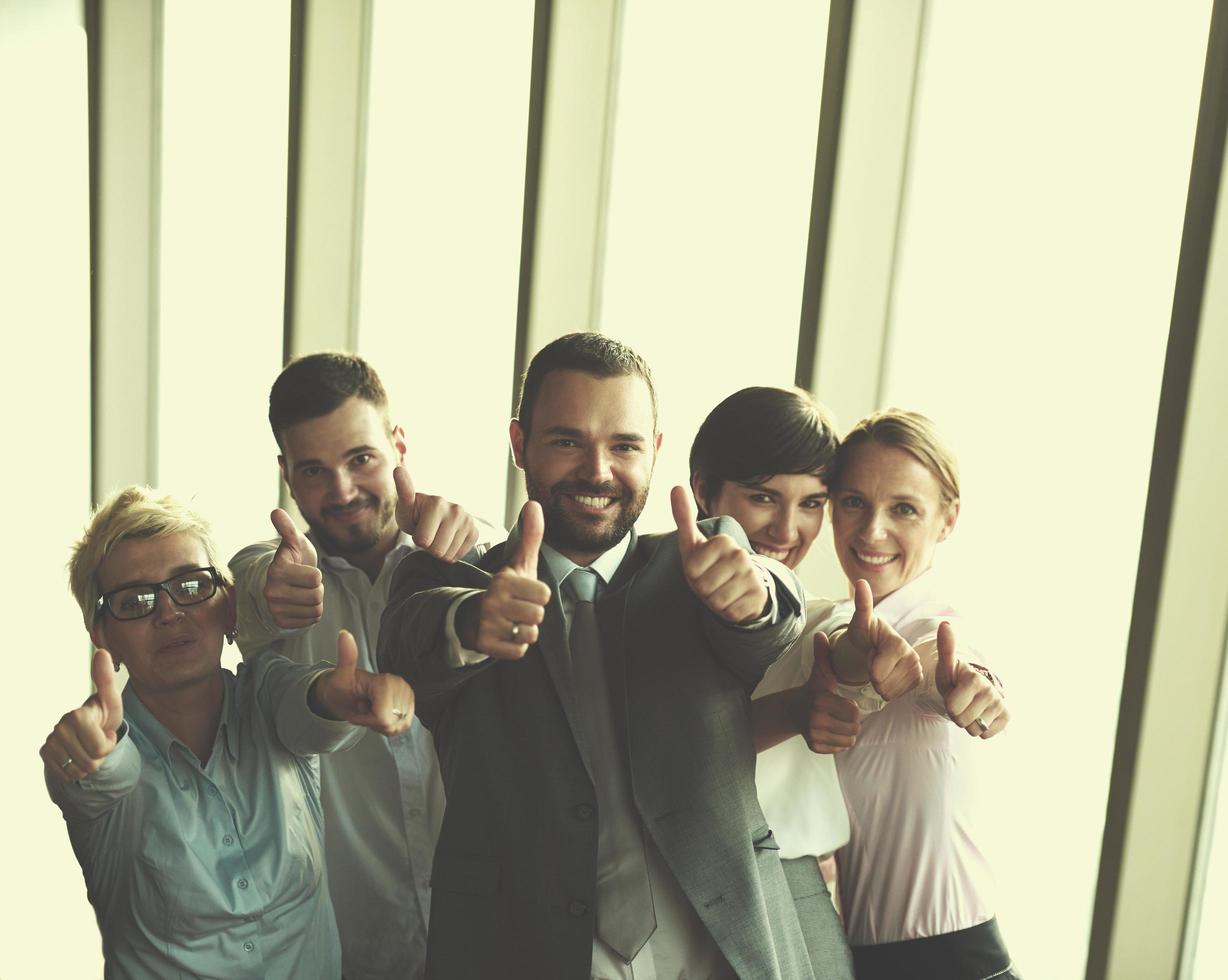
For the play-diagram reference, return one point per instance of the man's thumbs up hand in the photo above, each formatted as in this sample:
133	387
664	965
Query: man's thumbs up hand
436	525
503	621
717	569
293	586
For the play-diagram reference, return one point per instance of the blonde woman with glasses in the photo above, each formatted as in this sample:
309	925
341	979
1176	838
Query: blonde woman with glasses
192	798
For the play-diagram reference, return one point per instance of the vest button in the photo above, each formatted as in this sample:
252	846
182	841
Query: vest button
583	811
578	909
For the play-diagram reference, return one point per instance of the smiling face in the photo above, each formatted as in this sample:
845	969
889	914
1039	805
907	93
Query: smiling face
174	647
781	517
887	516
588	459
339	470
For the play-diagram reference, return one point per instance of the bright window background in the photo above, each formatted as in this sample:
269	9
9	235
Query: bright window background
711	180
1211	941
226	68
49	928
449	99
1037	262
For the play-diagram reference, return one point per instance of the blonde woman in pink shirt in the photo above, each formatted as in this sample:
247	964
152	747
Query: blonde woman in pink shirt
915	888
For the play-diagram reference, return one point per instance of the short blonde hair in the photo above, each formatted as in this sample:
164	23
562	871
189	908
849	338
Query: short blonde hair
912	432
133	512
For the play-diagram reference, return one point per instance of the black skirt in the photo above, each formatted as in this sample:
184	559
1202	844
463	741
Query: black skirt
977	953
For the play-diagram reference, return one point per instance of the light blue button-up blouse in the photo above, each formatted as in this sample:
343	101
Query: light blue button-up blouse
213	871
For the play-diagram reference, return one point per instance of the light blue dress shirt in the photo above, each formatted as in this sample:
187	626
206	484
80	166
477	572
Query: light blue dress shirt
213	871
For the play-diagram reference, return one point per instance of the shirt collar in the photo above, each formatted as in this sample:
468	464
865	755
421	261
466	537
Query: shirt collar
154	732
907	597
605	565
402	544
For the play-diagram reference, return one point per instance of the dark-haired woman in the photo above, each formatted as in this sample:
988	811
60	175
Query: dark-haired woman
914	883
760	457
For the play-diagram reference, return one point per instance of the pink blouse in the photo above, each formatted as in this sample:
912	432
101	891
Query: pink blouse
911	868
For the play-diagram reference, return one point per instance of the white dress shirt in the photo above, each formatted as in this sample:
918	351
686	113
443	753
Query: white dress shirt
213	870
799	790
383	799
911	868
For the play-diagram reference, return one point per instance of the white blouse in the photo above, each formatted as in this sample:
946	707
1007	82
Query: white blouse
798	789
911	868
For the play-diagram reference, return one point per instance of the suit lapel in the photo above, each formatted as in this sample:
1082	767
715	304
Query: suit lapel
552	645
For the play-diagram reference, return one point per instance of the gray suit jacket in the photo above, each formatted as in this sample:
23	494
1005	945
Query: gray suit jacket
513	886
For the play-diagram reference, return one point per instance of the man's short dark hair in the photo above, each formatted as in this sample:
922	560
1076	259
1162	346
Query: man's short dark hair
592	353
760	432
316	384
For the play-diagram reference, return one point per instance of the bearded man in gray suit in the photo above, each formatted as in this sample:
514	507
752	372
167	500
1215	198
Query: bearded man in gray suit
588	691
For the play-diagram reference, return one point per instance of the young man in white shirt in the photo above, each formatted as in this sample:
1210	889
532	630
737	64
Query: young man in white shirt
342	459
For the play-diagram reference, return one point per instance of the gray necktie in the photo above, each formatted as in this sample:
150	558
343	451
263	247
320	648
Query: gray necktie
625	915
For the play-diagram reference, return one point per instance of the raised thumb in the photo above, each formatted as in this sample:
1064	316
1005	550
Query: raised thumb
685	516
347	652
947	662
291	547
532	530
822	678
102	671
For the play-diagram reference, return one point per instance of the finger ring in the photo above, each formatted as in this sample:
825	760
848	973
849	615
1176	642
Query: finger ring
399	713
515	630
981	725
66	763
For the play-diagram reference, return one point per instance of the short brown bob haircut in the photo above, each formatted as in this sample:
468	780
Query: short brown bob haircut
758	433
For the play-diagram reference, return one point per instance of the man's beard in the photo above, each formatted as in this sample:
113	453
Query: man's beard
358	538
567	533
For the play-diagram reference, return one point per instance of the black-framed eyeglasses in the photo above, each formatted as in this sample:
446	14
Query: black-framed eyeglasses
137	601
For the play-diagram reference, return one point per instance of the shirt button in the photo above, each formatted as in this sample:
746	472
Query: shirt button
228	840
578	909
583	811
249	946
415	811
242	882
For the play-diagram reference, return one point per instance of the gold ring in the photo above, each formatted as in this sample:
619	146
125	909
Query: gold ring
66	763
515	631
984	728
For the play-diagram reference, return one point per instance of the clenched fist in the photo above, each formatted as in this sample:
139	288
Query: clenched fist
382	702
437	525
503	621
717	569
293	585
834	722
870	649
83	738
972	700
